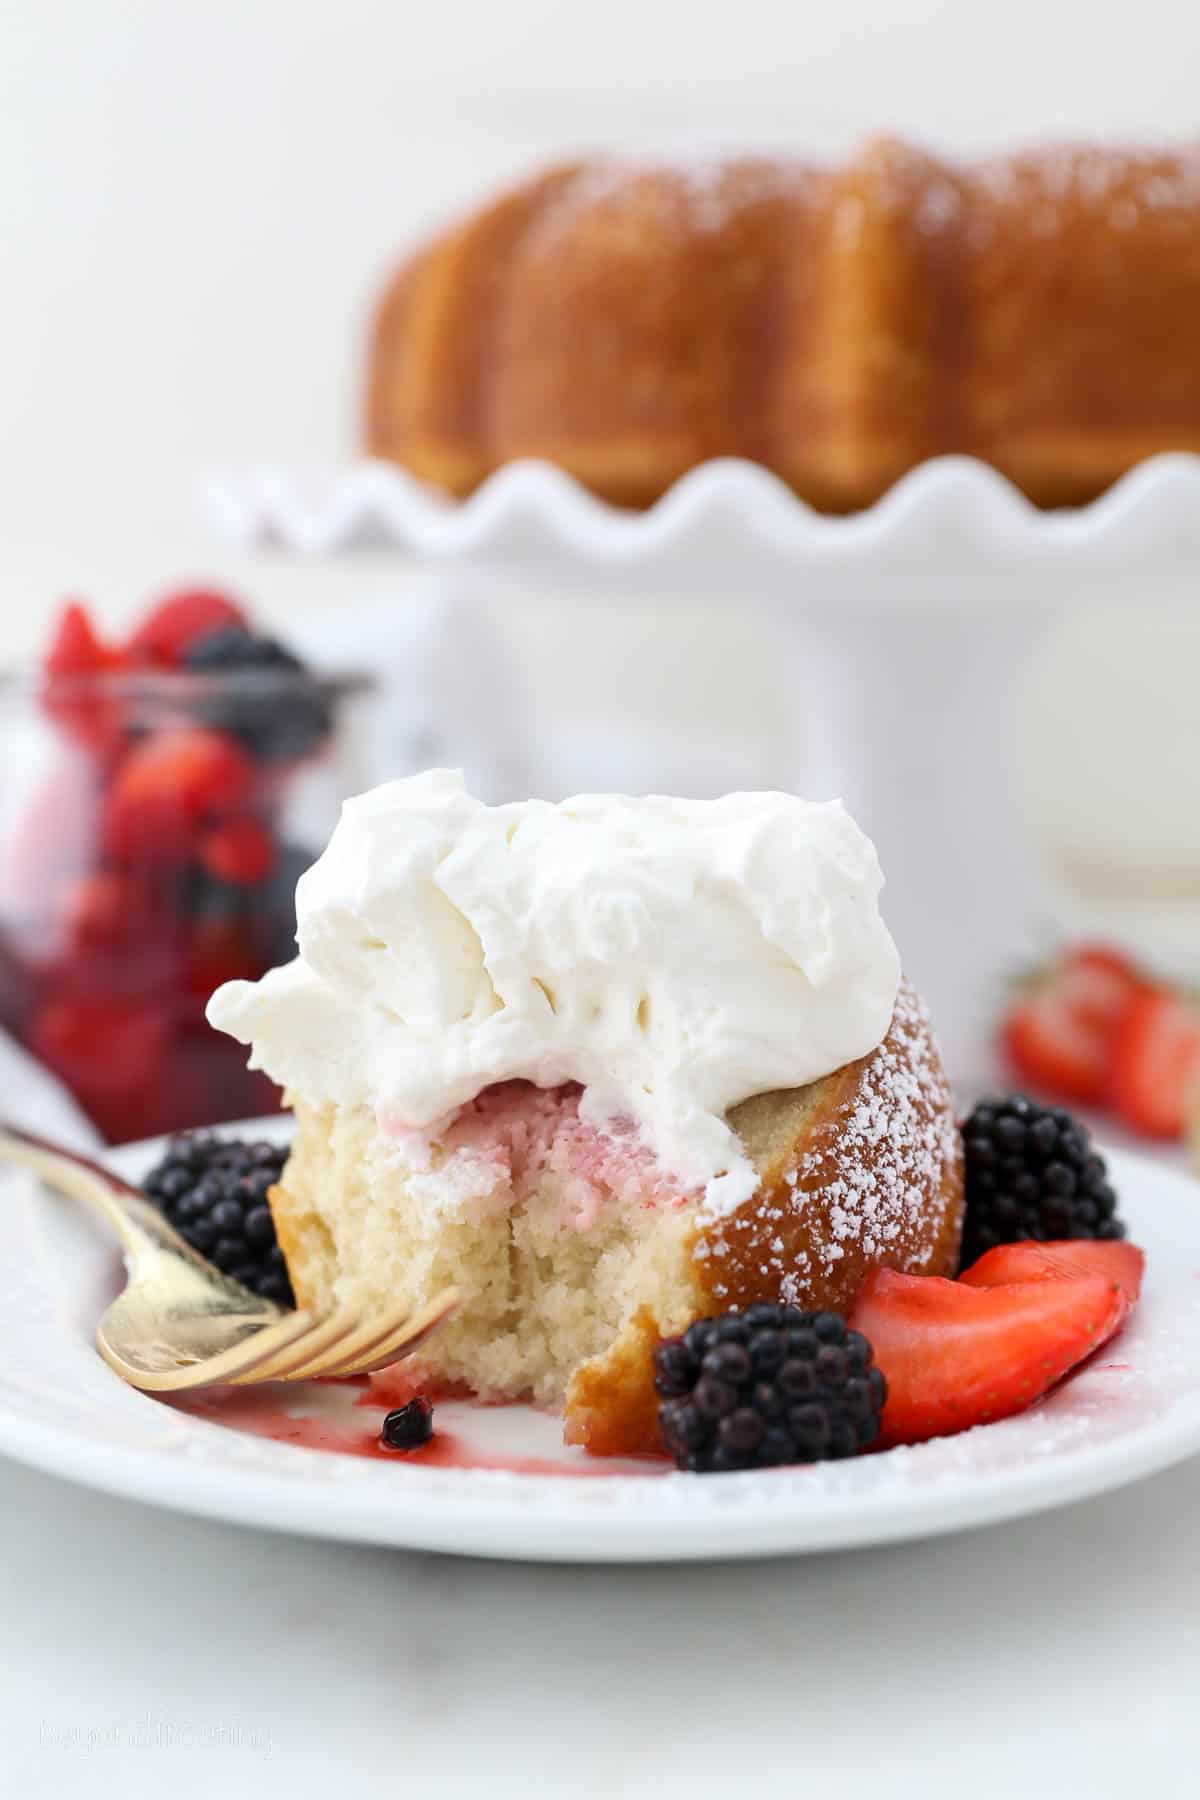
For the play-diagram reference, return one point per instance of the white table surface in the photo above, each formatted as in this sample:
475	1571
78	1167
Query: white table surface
149	1654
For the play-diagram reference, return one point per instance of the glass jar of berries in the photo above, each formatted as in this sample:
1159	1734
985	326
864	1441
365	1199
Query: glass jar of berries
159	801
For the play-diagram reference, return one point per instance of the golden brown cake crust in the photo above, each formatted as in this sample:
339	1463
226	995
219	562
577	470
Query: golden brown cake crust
1040	311
858	1170
863	1169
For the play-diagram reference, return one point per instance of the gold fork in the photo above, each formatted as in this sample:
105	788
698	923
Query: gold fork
180	1323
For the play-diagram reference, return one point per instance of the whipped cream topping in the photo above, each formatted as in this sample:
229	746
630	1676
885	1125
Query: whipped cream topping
672	956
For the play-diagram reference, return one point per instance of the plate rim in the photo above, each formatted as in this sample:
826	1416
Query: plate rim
543	1518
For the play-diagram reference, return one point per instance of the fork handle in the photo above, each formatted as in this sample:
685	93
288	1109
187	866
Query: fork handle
136	1223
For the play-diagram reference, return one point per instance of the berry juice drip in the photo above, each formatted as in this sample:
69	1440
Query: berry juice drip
319	1416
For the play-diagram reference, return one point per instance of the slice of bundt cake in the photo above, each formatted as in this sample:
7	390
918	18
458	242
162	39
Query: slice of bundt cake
574	1252
604	1067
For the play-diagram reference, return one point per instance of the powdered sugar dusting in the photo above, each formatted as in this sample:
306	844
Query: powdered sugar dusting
1054	185
707	190
891	1154
894	1149
492	1152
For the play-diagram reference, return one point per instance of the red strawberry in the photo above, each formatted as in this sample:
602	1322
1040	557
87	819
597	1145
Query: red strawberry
1100	984
239	851
1062	1032
1156	1064
75	695
1052	1049
179	621
957	1355
166	790
1067	1260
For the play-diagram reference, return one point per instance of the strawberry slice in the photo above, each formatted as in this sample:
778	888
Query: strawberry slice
956	1355
1065	1260
1156	1065
1100	984
179	621
1061	1035
167	788
1051	1049
75	695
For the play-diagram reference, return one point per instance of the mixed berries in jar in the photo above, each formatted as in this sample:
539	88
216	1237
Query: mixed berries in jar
160	799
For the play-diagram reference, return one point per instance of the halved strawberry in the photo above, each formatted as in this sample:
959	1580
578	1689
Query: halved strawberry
1156	1064
168	787
1065	1260
180	620
956	1355
1100	983
1061	1033
1052	1049
75	694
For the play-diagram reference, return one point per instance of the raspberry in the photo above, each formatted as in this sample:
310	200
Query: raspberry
768	1386
1031	1173
214	1192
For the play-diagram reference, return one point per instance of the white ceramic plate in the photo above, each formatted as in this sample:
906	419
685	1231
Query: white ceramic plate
1135	1409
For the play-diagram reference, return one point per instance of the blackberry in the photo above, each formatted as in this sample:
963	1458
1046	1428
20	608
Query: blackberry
1031	1172
214	1192
279	720
768	1386
408	1427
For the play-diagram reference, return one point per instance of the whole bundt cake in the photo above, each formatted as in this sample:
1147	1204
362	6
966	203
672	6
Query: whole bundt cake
837	325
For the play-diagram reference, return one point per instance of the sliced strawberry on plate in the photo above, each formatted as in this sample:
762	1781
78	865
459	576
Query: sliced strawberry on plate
168	788
1121	1263
1100	983
179	621
1156	1065
956	1355
1052	1049
1062	1031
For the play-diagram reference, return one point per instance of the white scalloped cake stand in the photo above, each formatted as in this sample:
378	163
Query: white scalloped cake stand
912	624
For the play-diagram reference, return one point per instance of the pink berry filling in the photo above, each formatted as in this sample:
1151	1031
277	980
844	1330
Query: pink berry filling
521	1133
